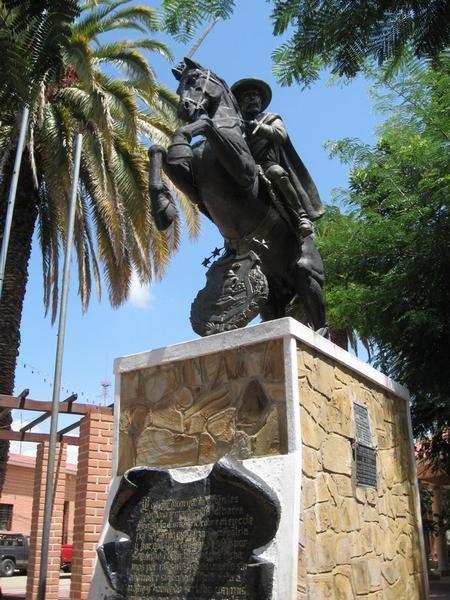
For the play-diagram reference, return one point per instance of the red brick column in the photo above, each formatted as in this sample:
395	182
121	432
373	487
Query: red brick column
54	553
93	478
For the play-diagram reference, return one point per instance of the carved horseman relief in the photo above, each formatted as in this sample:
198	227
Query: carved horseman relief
236	163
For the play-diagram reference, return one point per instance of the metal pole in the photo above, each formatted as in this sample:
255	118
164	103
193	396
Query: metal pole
12	195
57	377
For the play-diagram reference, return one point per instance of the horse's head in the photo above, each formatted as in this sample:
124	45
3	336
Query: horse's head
200	91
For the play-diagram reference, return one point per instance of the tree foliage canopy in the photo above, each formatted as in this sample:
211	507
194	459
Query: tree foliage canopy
387	257
183	17
32	33
338	34
343	35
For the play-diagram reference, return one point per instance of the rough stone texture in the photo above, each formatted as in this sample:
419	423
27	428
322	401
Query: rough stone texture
355	542
195	411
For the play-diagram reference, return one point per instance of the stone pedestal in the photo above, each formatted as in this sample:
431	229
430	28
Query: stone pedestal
328	435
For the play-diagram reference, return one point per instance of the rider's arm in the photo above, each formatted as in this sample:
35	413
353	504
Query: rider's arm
275	132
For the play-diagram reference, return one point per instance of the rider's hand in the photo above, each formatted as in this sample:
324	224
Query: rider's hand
250	125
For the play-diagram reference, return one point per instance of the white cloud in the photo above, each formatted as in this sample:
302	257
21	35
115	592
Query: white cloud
140	295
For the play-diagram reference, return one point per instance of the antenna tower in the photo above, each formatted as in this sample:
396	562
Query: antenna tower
105	392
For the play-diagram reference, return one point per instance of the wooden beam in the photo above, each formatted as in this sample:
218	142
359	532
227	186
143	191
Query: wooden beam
16	436
45	416
13	402
22	396
69	428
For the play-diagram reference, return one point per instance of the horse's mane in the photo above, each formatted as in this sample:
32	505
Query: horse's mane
229	93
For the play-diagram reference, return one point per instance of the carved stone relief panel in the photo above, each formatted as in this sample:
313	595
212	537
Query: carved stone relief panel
195	411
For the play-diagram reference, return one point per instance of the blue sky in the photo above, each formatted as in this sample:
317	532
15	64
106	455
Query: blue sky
159	315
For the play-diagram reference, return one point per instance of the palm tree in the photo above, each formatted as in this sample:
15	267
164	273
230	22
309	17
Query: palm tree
110	91
31	35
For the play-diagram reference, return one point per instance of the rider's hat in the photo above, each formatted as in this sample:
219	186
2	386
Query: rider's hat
251	84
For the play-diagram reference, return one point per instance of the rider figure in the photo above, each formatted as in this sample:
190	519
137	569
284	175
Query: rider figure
271	148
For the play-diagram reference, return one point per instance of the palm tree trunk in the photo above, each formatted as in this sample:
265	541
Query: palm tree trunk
16	277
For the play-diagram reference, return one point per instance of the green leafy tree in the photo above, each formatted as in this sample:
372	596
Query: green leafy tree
183	17
109	90
387	256
344	35
333	33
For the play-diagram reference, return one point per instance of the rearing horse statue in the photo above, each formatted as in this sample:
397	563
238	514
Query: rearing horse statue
266	266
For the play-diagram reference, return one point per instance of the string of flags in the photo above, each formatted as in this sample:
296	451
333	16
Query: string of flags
47	379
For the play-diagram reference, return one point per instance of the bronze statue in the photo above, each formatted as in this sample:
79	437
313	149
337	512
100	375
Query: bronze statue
269	265
272	149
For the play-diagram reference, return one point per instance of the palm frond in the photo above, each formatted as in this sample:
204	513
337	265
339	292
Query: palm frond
89	25
138	18
122	107
128	59
114	231
82	250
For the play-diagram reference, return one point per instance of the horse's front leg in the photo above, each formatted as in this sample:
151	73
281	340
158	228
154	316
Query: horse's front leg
180	151
227	145
162	202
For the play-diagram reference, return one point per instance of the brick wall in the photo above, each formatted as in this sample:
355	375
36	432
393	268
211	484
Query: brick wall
94	475
18	490
54	552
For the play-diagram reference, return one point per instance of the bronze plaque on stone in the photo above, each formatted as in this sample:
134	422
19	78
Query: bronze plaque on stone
362	424
365	454
191	540
366	465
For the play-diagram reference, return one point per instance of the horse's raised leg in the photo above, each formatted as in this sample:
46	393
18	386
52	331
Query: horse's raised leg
228	146
162	202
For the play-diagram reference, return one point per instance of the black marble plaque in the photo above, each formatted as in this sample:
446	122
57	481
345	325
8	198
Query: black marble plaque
366	465
363	434
191	540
